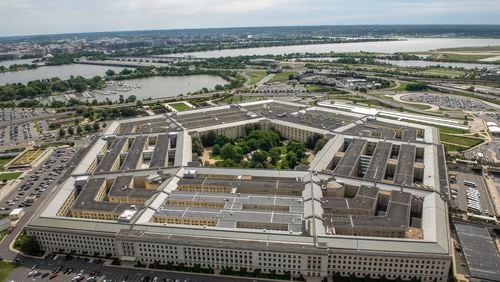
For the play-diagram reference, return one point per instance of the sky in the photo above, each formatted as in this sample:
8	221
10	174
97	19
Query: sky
27	17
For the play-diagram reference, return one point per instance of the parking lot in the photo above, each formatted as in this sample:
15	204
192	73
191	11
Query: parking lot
466	196
20	127
448	101
34	184
75	268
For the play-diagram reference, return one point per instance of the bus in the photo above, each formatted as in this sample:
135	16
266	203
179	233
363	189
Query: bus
469	183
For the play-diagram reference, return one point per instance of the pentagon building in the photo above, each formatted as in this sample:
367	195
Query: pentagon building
371	203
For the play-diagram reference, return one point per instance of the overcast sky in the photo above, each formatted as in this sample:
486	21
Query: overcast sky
23	17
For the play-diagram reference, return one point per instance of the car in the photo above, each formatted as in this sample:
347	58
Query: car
53	275
18	260
45	274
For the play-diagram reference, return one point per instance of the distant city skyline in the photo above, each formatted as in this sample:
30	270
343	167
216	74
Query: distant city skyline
30	17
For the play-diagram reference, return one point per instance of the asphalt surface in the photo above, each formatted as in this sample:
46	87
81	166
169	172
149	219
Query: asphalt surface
461	199
47	265
105	272
54	160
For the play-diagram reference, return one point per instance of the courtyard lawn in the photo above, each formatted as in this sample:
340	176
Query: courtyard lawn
180	106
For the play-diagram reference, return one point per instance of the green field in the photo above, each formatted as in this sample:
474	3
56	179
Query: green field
5	269
282	76
3	162
442	72
180	106
459	141
9	175
256	76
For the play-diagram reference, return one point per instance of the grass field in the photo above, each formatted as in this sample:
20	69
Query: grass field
282	76
442	72
3	162
458	57
5	269
180	106
256	76
9	175
459	141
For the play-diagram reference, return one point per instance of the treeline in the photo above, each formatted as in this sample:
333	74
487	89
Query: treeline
47	87
17	67
416	86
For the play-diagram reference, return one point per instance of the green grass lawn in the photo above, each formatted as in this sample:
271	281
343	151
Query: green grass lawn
465	142
256	76
9	175
5	269
442	72
282	76
180	106
3	162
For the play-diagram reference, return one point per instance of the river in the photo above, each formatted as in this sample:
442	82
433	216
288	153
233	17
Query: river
157	87
63	72
408	45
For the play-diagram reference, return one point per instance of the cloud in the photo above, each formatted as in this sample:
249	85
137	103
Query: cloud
56	16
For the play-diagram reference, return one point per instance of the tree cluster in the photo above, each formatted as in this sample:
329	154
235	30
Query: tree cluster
46	87
258	149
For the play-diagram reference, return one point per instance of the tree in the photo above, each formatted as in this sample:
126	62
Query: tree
121	100
320	144
138	103
79	129
88	127
96	126
260	157
110	72
28	245
62	132
221	140
291	157
297	148
311	141
416	86
131	99
275	154
216	149
71	130
230	152
197	147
